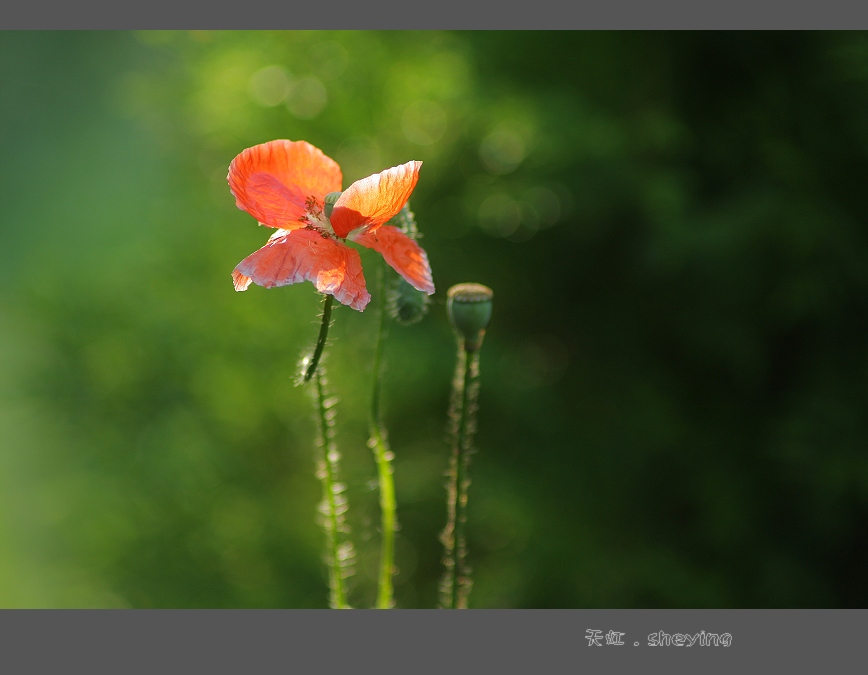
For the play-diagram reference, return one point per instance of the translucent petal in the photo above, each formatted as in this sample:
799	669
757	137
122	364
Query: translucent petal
373	200
273	181
306	255
403	254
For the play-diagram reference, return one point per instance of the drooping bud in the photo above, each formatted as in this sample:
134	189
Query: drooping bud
469	307
329	203
406	305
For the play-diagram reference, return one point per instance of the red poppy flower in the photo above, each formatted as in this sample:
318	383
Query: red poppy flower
283	184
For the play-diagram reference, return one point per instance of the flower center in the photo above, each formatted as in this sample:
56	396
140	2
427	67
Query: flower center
316	219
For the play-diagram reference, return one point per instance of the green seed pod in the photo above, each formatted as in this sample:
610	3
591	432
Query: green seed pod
469	308
329	203
406	305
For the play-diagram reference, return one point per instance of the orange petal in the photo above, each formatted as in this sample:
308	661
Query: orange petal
240	281
375	199
306	255
402	253
272	181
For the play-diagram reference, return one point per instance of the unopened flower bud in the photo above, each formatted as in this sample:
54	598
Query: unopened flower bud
329	203
469	308
406	304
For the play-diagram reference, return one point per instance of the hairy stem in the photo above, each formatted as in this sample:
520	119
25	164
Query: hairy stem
383	458
465	444
456	582
339	555
321	340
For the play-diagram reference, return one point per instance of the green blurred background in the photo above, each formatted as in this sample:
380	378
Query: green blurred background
674	404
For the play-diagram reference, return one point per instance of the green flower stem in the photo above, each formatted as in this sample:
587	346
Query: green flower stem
321	340
383	457
333	507
456	583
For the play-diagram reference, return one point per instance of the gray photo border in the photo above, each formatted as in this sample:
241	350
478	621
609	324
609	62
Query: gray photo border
440	15
433	641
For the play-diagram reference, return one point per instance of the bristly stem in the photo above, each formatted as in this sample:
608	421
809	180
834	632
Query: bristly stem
456	583
321	340
471	400
339	554
383	456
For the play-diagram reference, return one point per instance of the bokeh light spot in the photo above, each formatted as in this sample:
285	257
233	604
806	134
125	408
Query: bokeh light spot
545	203
269	86
502	151
500	215
307	98
359	157
329	59
424	122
